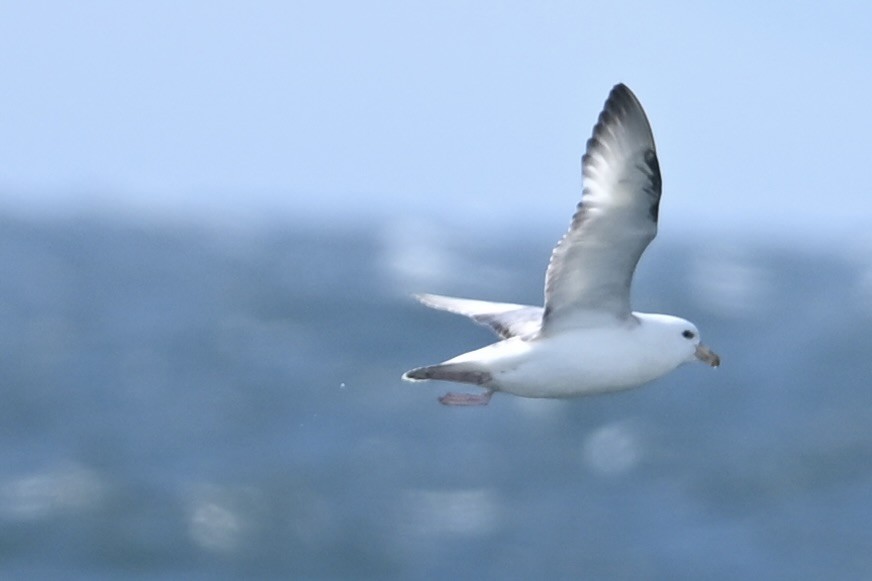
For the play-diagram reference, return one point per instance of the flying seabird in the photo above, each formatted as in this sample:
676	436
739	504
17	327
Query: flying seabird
586	339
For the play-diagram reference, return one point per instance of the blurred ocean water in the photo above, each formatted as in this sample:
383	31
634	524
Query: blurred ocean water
181	403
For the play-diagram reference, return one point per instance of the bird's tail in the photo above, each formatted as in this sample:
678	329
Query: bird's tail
457	372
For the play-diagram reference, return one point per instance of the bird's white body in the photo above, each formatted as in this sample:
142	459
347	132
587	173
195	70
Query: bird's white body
584	361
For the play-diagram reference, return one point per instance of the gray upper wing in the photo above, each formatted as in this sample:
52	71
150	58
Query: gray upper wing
504	319
591	269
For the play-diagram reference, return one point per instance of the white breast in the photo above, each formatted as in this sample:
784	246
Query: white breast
579	362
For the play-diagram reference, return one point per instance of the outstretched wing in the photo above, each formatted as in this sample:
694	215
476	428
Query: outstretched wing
591	269
505	319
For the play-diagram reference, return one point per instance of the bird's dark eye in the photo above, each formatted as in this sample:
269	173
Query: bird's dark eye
688	334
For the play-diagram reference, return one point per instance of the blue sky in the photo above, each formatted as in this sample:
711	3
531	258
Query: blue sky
761	111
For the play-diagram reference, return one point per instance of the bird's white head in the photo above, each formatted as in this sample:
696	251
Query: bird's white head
679	338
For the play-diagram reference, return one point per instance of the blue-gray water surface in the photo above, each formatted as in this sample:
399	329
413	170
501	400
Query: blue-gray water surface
182	403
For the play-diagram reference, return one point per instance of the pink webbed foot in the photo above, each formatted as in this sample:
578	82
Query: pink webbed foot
466	399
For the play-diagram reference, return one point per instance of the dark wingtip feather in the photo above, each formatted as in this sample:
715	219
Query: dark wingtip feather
621	93
621	104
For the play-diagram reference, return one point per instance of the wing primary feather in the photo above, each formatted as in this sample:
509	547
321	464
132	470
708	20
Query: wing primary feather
505	319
